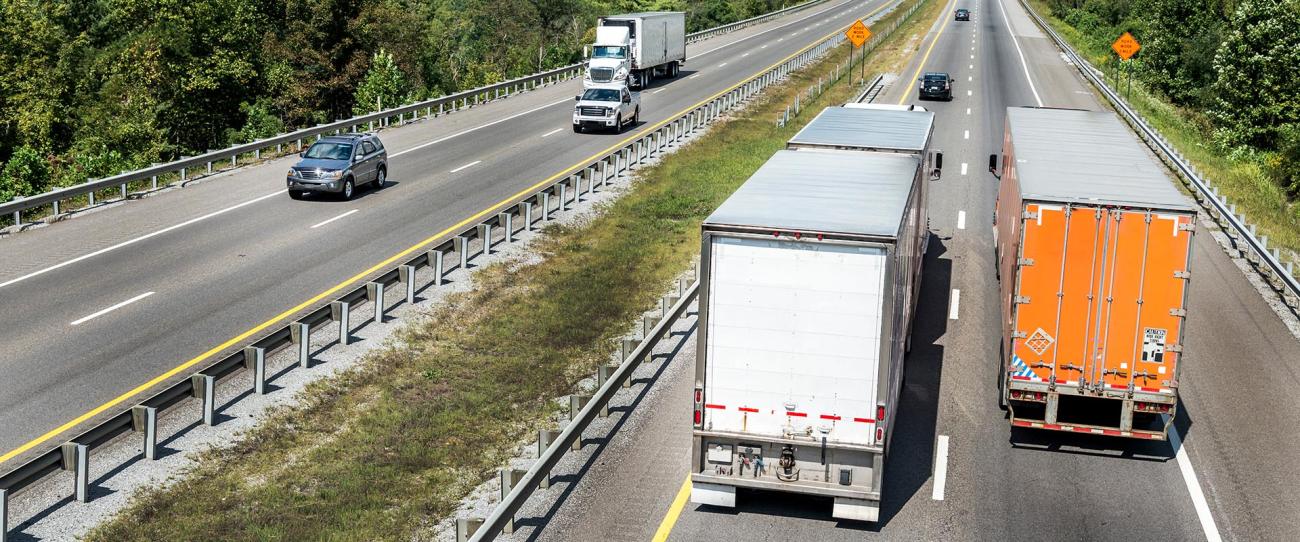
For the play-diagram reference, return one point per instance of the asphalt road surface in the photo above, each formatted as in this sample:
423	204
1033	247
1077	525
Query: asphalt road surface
95	306
1232	472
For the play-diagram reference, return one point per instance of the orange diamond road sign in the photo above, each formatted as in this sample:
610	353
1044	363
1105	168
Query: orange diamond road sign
858	33
1126	46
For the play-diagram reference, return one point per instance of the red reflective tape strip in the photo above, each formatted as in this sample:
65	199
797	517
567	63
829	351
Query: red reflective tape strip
747	409
1112	432
1018	377
864	420
830	417
799	414
1144	388
1019	423
1060	381
711	405
1052	426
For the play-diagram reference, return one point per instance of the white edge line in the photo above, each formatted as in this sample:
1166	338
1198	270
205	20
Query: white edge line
954	304
659	90
1023	64
966	134
333	219
694	76
138	239
940	468
1194	488
467	166
111	309
552	132
963	168
961	220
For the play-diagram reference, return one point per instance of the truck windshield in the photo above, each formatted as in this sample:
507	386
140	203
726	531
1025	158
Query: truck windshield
329	151
607	51
601	95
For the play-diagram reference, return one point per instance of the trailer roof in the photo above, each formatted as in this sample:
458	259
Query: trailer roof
642	14
867	129
826	191
1070	155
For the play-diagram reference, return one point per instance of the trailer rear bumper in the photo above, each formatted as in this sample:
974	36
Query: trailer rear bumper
1110	412
850	504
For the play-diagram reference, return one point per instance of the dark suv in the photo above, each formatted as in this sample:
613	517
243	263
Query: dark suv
936	86
963	14
338	165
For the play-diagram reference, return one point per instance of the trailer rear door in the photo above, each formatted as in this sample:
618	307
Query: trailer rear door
794	337
1100	296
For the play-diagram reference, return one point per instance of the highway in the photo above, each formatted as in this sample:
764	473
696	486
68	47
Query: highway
96	306
956	470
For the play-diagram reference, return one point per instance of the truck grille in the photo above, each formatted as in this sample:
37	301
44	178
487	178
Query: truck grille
310	174
602	75
592	111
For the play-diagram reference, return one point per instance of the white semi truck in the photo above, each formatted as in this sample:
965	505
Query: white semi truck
637	47
810	274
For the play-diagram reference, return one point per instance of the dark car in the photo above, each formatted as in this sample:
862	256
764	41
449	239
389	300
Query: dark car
936	86
963	14
338	165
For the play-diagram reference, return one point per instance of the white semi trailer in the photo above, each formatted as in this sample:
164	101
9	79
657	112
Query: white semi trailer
636	47
810	274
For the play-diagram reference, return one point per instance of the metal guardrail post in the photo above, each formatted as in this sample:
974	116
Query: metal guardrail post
576	402
255	362
485	233
527	212
546	205
505	219
144	419
300	336
406	273
544	439
205	388
375	294
435	262
508	479
76	458
4	515
649	323
602	375
562	187
341	312
466	527
462	249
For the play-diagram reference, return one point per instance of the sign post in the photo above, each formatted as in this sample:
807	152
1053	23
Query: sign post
858	33
1126	46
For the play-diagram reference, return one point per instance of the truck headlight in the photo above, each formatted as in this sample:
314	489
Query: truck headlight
291	173
334	174
621	75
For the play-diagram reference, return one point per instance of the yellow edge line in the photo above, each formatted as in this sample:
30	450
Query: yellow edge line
924	59
666	526
422	244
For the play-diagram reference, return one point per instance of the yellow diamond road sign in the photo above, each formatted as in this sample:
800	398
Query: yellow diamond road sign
1126	46
858	33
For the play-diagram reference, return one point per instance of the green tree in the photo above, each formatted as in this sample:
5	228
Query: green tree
383	87
259	122
1178	46
1257	91
25	174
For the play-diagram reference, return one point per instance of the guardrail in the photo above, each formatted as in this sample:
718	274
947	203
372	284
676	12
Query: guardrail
498	225
182	169
1267	263
871	90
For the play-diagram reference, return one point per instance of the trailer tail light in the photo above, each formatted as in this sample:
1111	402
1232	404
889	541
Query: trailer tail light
880	435
699	407
880	413
1161	408
1036	396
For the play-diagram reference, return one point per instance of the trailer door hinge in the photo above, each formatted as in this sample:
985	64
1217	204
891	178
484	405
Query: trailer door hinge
1029	215
1181	313
1190	226
1018	335
1174	348
1182	275
1023	262
1022	299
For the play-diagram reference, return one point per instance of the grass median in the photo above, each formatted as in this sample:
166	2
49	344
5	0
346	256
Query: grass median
1244	181
382	451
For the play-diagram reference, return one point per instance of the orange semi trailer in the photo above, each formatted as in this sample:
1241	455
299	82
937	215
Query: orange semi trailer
1093	245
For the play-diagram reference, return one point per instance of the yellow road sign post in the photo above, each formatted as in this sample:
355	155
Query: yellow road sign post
1126	46
858	34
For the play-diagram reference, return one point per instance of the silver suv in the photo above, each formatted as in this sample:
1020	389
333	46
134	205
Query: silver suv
338	165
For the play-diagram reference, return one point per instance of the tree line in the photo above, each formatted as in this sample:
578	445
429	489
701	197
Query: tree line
1236	63
90	88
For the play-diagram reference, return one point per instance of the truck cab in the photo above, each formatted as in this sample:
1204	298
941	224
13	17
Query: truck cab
611	56
609	107
634	48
